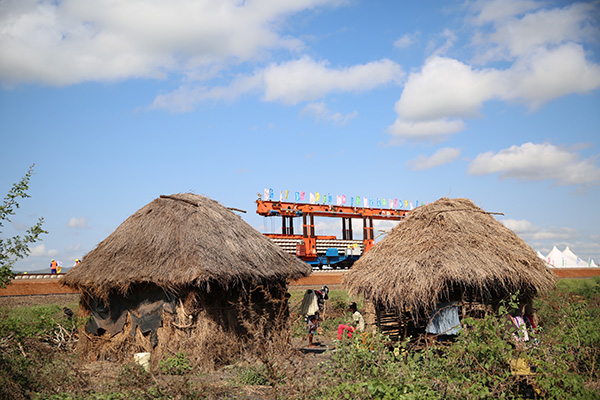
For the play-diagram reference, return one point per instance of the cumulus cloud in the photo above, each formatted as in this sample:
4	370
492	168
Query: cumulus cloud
41	251
442	156
79	223
289	82
536	162
321	113
514	37
546	60
446	88
72	41
306	79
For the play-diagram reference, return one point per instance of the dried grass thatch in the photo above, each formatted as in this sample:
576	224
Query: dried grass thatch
442	248
180	241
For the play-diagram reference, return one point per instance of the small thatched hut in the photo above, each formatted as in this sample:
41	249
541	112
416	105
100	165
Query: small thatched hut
182	273
447	250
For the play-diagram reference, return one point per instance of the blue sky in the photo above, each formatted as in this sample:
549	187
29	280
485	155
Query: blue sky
117	103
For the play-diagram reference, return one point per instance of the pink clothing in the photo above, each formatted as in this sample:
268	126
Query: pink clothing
348	330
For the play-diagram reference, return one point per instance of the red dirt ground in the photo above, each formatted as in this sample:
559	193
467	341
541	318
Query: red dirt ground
28	287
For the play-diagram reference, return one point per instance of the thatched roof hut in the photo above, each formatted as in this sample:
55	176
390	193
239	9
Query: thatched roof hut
442	249
181	264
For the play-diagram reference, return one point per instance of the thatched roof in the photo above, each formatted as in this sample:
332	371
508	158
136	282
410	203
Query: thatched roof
180	241
442	247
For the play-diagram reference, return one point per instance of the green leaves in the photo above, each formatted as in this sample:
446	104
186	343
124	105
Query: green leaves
178	364
16	247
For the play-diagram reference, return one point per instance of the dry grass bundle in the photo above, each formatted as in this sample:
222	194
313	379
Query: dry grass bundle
449	246
179	241
211	330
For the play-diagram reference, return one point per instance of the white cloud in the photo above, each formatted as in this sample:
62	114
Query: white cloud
543	239
306	79
72	41
40	251
497	10
290	82
321	113
446	88
533	162
519	226
186	97
406	40
532	233
514	37
546	61
434	131
79	223
547	74
442	156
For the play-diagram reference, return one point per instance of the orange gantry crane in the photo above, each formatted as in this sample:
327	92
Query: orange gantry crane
324	250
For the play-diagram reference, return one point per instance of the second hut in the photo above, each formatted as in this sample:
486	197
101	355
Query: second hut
447	250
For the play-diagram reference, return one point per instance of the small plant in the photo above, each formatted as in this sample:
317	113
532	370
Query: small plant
253	375
176	365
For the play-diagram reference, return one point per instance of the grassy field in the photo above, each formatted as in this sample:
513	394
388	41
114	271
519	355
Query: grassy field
38	359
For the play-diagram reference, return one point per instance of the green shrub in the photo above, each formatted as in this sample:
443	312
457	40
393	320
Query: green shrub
177	364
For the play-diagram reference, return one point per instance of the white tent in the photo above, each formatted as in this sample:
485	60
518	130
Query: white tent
566	259
571	260
555	258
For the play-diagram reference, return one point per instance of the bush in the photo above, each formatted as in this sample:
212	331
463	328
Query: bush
176	365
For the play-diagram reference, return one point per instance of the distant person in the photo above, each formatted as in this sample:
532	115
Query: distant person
312	324
59	267
322	295
312	306
76	262
53	266
357	325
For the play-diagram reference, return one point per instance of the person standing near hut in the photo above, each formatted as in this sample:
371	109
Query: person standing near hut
312	325
358	323
313	304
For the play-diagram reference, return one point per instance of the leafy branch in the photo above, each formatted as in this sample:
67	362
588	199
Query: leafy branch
16	247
